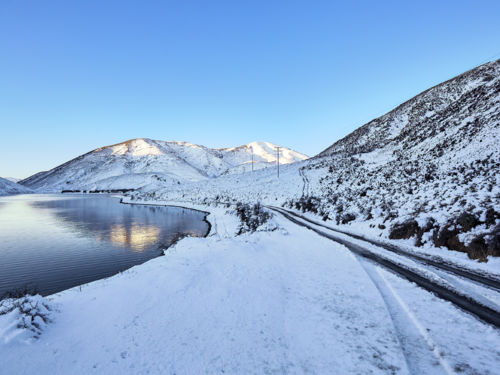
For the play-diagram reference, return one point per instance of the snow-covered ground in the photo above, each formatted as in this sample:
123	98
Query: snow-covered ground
282	301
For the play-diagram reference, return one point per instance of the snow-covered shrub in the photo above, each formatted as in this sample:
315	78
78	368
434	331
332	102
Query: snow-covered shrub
251	217
29	314
308	204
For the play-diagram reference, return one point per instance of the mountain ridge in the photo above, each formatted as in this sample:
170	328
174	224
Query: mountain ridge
123	165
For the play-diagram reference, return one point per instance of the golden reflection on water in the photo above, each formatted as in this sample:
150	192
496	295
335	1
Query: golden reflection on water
137	237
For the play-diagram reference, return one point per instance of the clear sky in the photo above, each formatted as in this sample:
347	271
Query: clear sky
77	75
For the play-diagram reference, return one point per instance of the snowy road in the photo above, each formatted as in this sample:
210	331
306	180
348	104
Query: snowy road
420	323
486	279
443	287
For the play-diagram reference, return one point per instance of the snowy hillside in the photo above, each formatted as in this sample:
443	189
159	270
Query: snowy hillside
431	166
458	108
428	171
8	187
143	161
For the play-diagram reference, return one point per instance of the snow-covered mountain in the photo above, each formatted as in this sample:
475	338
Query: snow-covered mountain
142	161
8	187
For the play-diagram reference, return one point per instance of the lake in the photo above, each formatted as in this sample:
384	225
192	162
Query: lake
49	243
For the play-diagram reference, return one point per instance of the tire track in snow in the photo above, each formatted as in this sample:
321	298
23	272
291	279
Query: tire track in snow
416	344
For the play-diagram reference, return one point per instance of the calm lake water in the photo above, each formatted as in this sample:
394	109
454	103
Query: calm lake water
55	242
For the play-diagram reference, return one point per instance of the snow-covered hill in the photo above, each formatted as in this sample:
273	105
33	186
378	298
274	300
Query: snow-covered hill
143	161
430	167
428	171
8	187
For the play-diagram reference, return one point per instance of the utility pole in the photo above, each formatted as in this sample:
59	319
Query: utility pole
278	152
252	158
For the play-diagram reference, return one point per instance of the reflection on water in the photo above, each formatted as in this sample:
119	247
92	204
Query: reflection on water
136	237
53	242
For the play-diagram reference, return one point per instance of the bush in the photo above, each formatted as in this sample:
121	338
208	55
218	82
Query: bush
404	230
251	217
467	221
347	218
308	204
31	313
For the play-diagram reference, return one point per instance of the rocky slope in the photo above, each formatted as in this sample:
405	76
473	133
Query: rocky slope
140	162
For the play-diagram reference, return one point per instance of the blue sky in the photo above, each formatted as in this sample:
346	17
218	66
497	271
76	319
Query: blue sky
77	75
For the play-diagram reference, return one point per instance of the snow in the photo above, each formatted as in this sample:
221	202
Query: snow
8	187
285	301
363	229
254	304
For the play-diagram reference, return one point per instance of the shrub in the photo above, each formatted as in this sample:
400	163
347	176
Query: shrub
251	217
404	230
30	312
308	204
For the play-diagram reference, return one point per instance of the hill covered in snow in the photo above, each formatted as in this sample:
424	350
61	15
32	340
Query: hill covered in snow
8	187
428	171
142	161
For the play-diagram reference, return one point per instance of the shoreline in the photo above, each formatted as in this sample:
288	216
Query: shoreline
205	218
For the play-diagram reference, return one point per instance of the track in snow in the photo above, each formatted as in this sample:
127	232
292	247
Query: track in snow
422	354
305	186
462	300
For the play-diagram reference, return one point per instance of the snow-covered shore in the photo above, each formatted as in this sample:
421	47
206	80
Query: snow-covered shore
282	301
